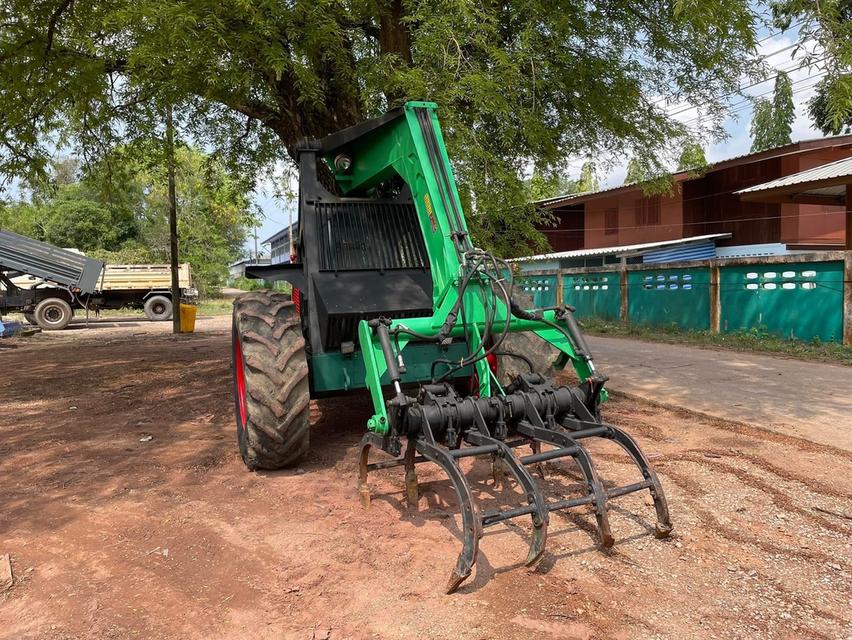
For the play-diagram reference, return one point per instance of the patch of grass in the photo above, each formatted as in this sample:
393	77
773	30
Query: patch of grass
216	307
208	307
755	340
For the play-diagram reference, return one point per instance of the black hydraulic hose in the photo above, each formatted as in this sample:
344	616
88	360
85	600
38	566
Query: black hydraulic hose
496	344
450	320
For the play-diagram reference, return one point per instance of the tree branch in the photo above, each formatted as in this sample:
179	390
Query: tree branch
54	20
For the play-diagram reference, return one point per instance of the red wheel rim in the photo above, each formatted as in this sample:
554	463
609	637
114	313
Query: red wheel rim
240	380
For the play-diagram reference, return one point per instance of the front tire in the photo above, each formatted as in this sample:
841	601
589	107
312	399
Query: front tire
53	314
158	308
270	369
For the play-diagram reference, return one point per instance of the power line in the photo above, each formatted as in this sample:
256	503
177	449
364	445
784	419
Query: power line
748	103
794	68
703	223
742	88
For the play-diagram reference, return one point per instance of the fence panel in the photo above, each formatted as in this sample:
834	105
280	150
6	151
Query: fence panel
794	300
665	297
593	295
542	289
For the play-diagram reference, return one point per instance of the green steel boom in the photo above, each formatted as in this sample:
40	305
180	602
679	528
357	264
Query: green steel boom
402	146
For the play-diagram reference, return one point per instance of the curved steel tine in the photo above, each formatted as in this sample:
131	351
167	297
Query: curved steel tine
363	488
497	473
411	493
664	523
540	516
587	468
535	446
471	522
584	461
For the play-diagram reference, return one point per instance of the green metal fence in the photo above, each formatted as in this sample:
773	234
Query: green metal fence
542	289
798	297
595	295
666	297
798	300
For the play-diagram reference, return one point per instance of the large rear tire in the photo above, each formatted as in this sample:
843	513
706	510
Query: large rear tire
271	394
53	314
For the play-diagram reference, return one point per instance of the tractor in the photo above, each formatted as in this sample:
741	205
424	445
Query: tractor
389	294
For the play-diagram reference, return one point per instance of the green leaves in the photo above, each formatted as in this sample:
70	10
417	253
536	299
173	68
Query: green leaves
772	121
519	82
118	211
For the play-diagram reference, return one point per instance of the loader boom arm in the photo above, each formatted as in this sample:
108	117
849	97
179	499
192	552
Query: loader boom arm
408	143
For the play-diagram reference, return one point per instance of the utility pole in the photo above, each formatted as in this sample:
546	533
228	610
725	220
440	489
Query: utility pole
173	236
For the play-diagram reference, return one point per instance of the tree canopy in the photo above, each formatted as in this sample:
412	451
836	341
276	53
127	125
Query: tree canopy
517	82
692	157
772	121
829	24
637	170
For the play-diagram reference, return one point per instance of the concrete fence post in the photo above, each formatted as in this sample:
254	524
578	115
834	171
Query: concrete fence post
847	298
715	298
560	294
622	277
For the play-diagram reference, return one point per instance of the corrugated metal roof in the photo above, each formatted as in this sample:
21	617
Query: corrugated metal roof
697	251
836	169
625	249
284	233
682	175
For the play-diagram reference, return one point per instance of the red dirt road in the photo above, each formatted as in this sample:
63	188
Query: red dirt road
113	537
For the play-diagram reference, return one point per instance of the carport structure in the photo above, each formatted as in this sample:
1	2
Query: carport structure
827	184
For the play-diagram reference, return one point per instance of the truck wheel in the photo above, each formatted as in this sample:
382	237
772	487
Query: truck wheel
52	314
29	316
271	394
158	308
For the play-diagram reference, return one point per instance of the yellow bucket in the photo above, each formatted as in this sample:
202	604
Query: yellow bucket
187	317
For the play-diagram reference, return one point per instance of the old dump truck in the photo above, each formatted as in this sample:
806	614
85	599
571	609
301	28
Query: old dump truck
48	284
392	296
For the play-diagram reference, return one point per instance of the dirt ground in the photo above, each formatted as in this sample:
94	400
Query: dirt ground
113	534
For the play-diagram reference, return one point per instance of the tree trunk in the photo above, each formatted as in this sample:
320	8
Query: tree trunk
394	39
394	36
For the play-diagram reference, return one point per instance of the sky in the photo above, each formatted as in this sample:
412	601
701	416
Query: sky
779	53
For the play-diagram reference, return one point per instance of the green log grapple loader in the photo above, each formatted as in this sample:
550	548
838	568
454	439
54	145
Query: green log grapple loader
391	295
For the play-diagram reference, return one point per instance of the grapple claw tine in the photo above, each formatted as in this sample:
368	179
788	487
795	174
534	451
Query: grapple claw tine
663	525
534	496
471	529
455	581
535	445
584	461
497	472
363	469
411	493
539	538
596	489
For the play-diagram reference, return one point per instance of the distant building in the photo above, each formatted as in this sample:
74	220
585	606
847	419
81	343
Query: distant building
279	244
708	205
238	269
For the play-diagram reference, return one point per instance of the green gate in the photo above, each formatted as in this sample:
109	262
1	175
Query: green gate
593	295
803	300
666	297
542	289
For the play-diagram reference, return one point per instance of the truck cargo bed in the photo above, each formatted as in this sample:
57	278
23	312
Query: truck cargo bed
43	260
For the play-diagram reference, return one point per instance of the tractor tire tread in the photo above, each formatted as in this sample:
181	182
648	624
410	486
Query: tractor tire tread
276	433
